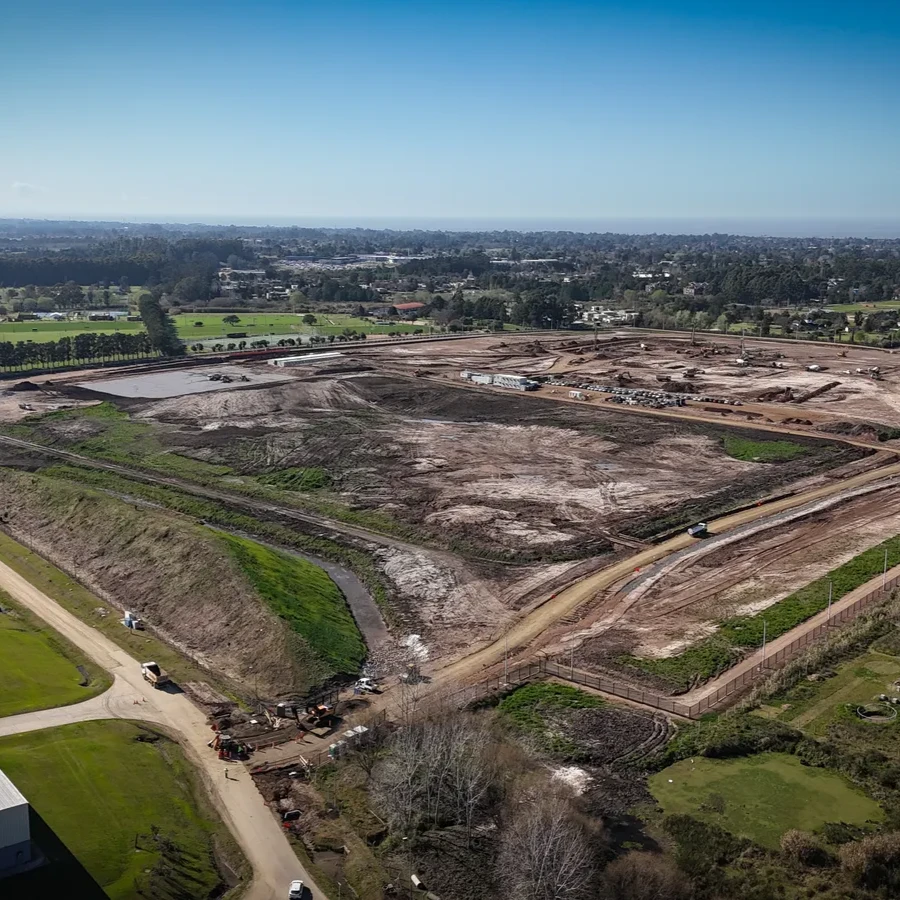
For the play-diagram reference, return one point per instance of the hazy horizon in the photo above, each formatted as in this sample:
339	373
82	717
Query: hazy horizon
785	227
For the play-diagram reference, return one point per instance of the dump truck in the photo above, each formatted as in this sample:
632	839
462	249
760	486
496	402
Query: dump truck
154	674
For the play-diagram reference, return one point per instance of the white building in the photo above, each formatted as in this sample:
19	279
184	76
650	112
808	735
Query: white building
15	832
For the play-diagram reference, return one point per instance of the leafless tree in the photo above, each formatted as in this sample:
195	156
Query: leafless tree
438	772
645	876
545	852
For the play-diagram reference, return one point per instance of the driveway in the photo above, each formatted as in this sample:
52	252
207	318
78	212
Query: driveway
236	798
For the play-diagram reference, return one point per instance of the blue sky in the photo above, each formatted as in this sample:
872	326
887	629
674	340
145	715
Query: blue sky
436	110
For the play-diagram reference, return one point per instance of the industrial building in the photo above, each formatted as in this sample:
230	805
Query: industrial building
15	832
513	382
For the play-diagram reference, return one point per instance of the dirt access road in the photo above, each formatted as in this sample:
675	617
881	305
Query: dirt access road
236	797
549	610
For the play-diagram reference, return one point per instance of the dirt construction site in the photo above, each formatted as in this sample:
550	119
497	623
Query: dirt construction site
497	518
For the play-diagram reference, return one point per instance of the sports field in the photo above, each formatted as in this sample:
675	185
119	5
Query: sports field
206	326
38	668
121	799
761	797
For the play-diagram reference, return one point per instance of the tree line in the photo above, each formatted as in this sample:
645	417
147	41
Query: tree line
77	350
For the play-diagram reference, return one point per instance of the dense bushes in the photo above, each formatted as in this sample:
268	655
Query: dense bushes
726	736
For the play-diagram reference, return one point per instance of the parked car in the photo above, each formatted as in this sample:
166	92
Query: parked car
296	891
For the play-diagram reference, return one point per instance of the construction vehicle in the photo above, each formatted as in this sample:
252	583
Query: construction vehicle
320	719
698	530
154	674
366	685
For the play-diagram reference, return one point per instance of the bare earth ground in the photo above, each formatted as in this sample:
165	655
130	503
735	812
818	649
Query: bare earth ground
494	473
713	583
503	473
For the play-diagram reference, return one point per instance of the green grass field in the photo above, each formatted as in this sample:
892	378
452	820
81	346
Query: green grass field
306	598
761	797
762	451
102	787
207	326
813	706
38	667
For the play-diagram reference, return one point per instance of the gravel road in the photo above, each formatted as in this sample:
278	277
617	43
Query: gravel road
238	801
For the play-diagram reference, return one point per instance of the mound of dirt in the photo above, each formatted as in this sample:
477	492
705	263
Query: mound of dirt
178	576
25	386
851	429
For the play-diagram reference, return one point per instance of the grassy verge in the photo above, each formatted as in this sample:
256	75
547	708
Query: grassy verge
760	797
122	799
532	708
762	451
219	514
38	666
79	601
739	634
306	598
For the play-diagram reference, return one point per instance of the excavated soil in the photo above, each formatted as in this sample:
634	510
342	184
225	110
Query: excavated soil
484	473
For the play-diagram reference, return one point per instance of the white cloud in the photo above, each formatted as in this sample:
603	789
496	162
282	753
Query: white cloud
25	190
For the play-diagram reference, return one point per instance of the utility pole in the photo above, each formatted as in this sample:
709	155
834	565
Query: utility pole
884	572
763	661
830	592
572	662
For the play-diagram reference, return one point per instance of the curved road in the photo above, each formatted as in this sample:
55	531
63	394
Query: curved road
237	799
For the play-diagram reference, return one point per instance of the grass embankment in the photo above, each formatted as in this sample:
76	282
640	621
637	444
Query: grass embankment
105	788
762	451
220	515
740	634
79	601
533	707
762	796
306	598
38	667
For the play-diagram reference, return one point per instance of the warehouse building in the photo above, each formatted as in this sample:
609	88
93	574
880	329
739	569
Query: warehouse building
513	382
15	832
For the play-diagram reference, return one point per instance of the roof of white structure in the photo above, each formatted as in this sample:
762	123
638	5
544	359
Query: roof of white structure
10	795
